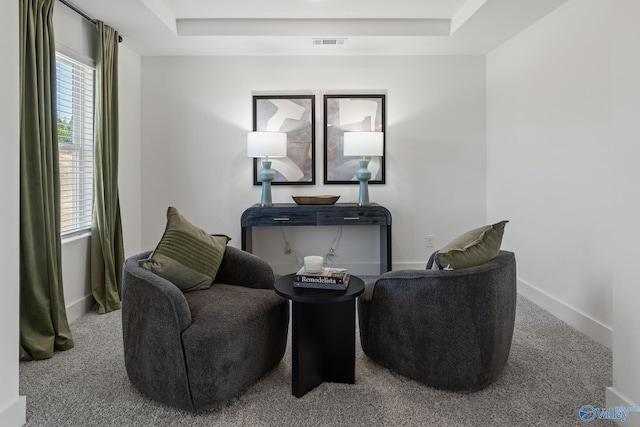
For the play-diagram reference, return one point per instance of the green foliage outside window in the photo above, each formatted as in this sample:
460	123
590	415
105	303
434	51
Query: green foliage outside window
65	131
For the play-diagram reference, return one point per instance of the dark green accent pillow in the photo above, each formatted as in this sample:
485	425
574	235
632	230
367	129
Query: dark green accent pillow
472	248
186	255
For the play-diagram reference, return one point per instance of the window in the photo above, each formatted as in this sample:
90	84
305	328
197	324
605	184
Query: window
74	100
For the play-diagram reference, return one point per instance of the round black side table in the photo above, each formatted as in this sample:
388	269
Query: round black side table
323	333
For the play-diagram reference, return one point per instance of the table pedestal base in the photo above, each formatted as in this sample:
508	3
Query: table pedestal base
323	347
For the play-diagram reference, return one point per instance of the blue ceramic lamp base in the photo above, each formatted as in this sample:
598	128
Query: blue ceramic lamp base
266	176
363	175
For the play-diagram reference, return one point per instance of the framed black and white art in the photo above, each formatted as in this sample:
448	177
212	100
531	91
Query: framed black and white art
351	113
295	116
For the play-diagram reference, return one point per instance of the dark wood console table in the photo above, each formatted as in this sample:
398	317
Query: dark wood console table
291	214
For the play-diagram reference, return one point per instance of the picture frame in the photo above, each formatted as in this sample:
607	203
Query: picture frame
351	113
295	116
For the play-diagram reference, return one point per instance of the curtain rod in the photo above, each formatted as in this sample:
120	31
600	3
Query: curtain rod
84	15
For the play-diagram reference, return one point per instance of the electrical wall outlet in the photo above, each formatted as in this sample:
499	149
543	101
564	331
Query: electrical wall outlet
428	240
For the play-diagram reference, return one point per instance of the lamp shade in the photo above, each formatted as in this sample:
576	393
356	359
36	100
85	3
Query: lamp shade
363	143
263	144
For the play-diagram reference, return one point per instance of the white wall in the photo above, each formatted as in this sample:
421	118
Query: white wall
12	406
76	37
551	158
626	204
196	113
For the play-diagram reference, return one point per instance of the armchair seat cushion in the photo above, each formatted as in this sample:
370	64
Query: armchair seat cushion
231	326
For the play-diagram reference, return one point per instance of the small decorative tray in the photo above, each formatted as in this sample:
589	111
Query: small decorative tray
324	199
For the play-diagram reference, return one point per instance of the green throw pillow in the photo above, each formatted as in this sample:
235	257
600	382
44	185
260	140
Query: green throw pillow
186	255
472	248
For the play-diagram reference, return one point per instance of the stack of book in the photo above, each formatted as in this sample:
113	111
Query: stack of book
329	278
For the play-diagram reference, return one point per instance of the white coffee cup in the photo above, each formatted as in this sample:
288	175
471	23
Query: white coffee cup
313	264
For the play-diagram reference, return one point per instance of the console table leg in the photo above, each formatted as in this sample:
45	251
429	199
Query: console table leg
247	239
385	248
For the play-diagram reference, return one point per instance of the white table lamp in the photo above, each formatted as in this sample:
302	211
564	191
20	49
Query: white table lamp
363	144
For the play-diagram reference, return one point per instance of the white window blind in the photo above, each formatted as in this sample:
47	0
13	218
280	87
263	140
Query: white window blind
75	105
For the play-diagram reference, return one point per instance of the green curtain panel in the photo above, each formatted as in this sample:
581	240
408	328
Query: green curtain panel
43	320
107	251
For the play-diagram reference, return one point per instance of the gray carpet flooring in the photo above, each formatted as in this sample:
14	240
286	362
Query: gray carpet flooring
552	371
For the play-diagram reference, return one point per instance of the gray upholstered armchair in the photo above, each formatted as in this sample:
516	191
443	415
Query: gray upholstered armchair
197	350
447	329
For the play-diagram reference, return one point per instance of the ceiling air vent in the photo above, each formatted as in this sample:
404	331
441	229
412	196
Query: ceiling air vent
329	42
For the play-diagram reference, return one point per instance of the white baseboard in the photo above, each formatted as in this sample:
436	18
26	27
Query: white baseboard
616	399
79	308
596	330
15	414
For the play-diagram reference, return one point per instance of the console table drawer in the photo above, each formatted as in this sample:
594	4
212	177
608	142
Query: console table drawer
277	218
354	218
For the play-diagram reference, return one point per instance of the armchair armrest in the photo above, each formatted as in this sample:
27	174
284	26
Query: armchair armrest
244	269
141	286
432	259
155	313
